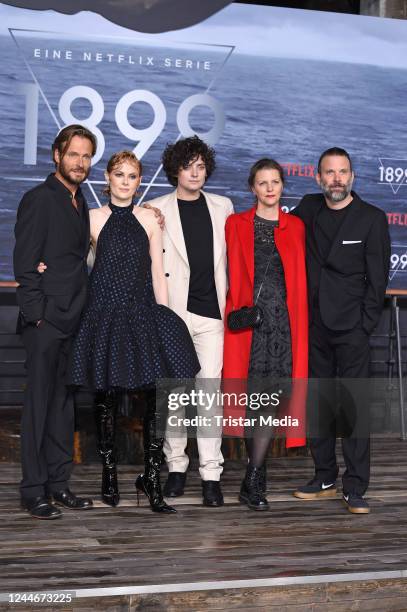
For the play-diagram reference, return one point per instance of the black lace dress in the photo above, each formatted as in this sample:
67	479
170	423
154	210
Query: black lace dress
271	355
125	339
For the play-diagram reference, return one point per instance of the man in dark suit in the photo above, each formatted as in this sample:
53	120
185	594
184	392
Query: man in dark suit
348	255
52	226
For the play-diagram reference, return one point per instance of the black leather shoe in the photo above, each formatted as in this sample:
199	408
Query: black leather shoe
212	494
40	508
67	499
174	487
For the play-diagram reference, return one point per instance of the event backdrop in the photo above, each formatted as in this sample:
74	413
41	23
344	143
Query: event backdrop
253	81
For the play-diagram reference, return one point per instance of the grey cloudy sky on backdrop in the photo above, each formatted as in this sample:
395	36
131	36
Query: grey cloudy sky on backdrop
259	30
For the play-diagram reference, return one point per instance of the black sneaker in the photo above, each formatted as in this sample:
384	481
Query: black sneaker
355	503
315	489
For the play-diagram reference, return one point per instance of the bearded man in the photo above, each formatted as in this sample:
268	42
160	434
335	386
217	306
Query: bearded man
52	226
348	256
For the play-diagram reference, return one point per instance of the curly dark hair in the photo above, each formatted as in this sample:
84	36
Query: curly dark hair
182	153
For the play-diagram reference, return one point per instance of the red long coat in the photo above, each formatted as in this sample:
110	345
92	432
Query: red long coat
290	242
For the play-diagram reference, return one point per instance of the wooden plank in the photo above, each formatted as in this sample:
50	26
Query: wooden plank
130	545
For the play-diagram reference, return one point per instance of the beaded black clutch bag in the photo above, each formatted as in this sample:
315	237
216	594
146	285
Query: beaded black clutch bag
246	317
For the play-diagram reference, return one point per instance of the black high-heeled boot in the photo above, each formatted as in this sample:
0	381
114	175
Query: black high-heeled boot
105	415
149	482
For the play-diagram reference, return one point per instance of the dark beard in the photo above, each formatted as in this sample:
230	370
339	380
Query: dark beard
336	196
72	181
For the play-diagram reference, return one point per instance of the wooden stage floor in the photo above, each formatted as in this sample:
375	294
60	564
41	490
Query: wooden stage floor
292	557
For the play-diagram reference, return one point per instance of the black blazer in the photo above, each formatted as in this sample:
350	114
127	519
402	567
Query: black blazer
49	229
350	284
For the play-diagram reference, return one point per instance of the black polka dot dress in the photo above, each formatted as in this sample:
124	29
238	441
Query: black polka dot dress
125	339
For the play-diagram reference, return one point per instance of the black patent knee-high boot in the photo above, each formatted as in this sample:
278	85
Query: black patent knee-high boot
149	482
105	415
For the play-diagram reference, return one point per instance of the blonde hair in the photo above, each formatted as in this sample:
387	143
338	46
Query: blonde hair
119	158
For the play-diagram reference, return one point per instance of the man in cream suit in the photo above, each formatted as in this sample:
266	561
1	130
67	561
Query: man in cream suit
195	266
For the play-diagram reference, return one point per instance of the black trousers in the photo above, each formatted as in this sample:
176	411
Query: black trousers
339	406
47	423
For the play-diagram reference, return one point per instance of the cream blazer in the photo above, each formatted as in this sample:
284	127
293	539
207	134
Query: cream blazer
176	265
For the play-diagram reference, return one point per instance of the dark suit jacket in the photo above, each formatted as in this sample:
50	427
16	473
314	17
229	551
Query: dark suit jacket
49	229
350	284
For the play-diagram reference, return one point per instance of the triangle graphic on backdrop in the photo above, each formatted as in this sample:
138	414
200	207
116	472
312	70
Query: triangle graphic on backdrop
395	163
26	40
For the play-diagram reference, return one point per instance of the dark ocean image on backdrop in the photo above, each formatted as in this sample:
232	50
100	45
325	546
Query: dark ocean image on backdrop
285	108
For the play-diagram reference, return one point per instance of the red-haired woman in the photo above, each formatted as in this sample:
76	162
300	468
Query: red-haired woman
266	263
128	338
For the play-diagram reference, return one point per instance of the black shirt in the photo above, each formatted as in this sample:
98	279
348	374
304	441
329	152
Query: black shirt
198	235
327	226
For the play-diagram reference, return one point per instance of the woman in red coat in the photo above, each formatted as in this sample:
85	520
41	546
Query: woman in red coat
266	261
